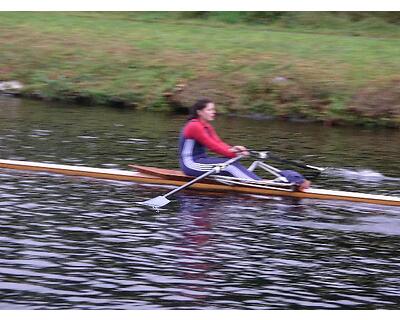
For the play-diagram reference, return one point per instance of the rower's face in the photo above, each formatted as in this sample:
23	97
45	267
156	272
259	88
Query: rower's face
208	113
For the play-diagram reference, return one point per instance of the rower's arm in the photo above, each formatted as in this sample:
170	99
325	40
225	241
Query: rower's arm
215	136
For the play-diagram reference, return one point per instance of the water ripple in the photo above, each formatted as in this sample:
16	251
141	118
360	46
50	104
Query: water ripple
69	242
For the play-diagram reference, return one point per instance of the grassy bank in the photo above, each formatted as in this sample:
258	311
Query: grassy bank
160	60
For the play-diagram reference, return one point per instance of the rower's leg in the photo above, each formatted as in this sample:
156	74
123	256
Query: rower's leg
266	167
239	171
201	165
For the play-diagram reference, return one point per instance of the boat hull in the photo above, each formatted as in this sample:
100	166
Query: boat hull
172	177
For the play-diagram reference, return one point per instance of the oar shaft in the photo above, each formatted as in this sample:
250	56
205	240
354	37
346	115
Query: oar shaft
269	155
300	165
204	175
189	183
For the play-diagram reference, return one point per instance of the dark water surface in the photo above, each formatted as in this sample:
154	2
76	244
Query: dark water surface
69	242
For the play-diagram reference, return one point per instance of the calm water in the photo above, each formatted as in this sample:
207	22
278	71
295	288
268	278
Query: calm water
69	242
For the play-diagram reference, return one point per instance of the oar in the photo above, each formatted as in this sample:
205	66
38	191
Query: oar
161	201
269	155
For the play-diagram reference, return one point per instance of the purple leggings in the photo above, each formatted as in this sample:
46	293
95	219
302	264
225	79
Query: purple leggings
196	167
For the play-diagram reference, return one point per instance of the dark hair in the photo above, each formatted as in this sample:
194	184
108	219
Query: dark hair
199	105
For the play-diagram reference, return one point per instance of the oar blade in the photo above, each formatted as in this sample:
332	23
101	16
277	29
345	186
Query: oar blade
156	202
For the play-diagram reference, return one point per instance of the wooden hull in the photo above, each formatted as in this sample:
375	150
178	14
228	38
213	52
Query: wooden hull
158	176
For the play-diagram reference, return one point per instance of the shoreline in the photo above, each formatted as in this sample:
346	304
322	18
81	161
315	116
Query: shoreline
115	103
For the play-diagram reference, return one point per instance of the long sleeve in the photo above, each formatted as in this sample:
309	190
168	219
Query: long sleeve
215	136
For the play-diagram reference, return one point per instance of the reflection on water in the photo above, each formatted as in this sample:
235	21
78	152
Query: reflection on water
69	242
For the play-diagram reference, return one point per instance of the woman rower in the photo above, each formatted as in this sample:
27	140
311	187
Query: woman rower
198	134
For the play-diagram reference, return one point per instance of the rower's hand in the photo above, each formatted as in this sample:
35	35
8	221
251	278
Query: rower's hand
240	150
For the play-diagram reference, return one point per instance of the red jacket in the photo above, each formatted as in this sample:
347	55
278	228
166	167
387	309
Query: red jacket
205	135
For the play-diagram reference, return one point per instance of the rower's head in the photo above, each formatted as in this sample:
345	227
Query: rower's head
203	109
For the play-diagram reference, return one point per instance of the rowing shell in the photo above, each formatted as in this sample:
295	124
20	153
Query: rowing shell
151	175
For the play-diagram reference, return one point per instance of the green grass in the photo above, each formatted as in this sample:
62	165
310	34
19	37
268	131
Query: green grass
139	57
